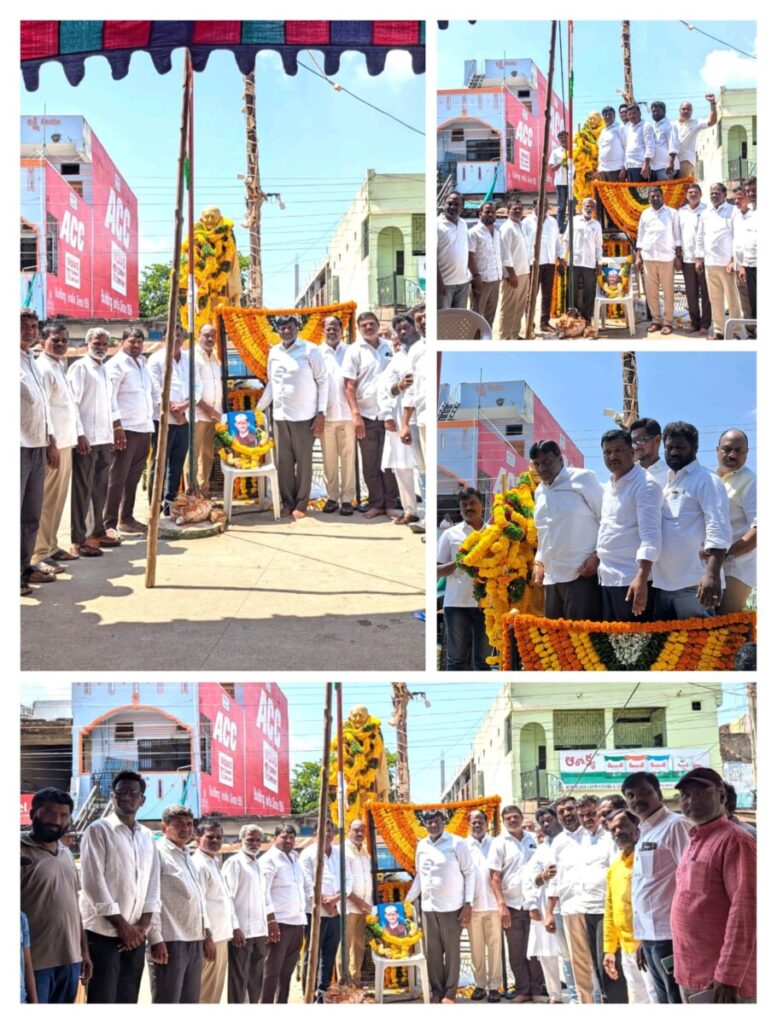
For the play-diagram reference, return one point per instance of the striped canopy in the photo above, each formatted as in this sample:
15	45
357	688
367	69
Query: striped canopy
71	42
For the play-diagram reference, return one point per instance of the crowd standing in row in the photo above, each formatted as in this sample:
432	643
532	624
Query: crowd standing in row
661	540
633	902
87	430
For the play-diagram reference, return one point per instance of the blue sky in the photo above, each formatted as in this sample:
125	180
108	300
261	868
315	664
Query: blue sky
669	62
711	390
315	145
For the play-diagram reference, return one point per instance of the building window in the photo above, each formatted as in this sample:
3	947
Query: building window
510	144
509	733
335	288
205	745
365	238
164	755
65	169
639	727
695	705
483	149
400	262
28	249
124	732
457	134
418	233
52	244
542	757
578	730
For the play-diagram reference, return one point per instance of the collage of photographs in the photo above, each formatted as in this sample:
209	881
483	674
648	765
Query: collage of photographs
208	391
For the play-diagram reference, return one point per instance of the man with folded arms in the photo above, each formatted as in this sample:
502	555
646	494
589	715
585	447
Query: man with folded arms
224	924
629	538
119	892
244	884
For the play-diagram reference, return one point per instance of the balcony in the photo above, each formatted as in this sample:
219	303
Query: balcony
399	292
740	170
540	785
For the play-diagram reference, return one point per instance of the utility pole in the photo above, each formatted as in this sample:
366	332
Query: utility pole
254	195
400	698
630	396
628	84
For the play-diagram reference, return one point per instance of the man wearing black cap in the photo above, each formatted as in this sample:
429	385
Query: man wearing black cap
714	907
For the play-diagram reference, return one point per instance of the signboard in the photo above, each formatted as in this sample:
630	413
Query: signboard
606	769
25	803
244	750
115	228
68	239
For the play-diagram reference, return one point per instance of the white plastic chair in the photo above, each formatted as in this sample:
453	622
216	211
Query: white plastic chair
602	301
416	969
462	325
267	470
735	323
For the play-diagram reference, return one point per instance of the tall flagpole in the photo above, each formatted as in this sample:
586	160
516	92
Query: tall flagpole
191	293
570	179
341	808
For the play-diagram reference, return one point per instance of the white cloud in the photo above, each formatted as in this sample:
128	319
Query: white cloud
726	67
397	73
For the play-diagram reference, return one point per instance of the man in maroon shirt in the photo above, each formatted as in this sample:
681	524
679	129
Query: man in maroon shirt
714	907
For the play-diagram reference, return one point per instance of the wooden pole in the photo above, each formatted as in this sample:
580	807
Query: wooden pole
400	697
345	976
630	389
571	298
254	195
172	319
192	297
535	269
628	83
323	809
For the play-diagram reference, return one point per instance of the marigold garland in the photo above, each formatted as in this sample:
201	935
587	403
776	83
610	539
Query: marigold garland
625	201
679	645
241	456
400	828
252	331
585	155
215	256
363	755
499	557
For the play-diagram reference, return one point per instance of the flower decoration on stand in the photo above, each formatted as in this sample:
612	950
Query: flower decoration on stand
538	644
394	947
364	765
499	558
625	201
216	268
241	456
585	155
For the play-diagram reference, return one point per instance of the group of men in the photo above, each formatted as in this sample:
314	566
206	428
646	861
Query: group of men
487	267
195	922
663	539
87	429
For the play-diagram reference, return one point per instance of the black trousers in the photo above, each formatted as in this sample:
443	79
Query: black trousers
88	490
294	441
33	474
246	970
328	942
612	991
123	478
699	309
615	607
280	959
750	278
584	280
578	599
117	976
177	981
547	276
526	970
381	483
177	447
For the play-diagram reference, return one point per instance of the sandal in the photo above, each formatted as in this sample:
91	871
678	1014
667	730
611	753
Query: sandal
60	555
666	330
87	550
653	328
109	539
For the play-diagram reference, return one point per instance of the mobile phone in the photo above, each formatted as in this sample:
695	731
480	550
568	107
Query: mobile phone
701	997
667	962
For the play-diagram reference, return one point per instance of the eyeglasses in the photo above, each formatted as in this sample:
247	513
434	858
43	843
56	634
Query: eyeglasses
637	442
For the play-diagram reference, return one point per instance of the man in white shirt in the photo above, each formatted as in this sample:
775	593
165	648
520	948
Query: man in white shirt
360	899
663	837
466	641
659	252
445	881
715	257
285	891
646	442
508	856
133	424
699	309
746	245
666	144
393	383
224	925
68	433
362	366
38	450
178	420
180	929
551	251
742	221
587	235
485	263
695	534
568	507
611	148
209	406
739	567
413	428
338	442
629	539
329	933
687	129
514	287
93	394
563	175
485	927
640	146
298	387
453	280
244	884
119	892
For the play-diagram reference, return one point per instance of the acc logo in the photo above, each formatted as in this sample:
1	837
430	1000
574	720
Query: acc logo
225	731
72	231
118	219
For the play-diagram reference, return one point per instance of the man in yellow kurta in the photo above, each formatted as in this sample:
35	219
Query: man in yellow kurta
618	918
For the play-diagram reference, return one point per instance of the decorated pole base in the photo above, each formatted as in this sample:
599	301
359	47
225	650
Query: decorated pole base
170	530
535	644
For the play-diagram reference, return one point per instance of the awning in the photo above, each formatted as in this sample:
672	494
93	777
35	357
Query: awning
71	42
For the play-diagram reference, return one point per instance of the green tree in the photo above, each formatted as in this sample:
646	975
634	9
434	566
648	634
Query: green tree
154	290
305	786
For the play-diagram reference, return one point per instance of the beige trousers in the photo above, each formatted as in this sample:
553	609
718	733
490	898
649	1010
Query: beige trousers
213	975
687	169
511	308
355	940
485	301
338	447
723	293
660	273
580	954
204	433
55	488
485	943
734	596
